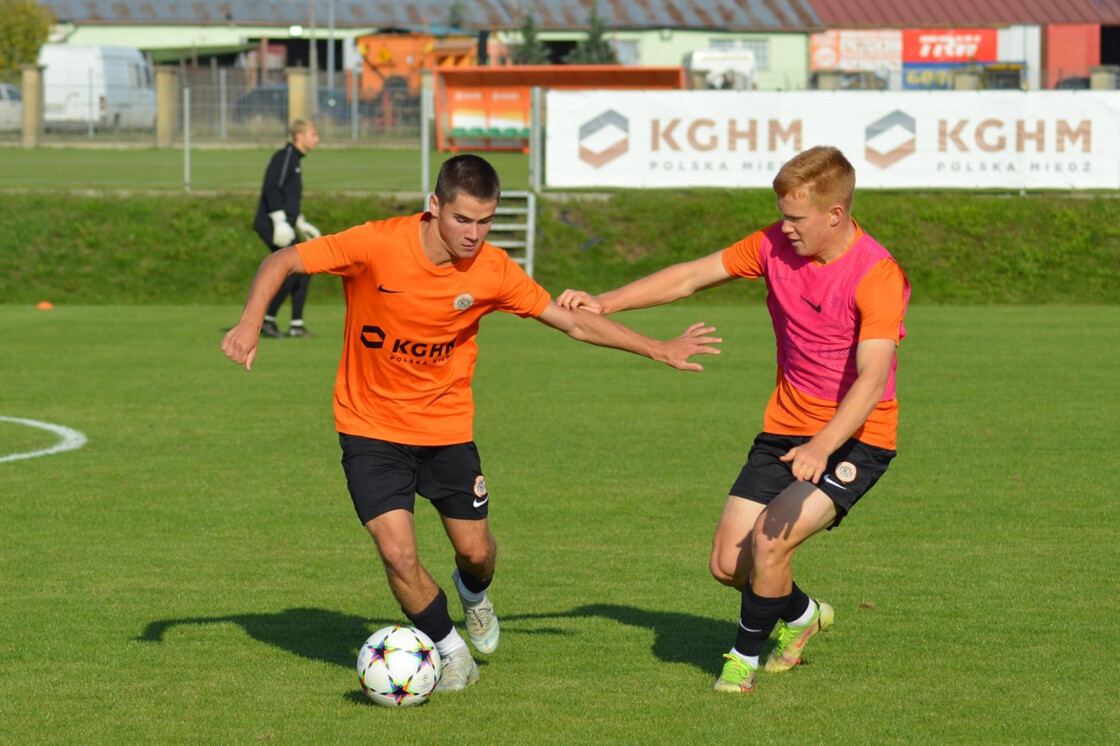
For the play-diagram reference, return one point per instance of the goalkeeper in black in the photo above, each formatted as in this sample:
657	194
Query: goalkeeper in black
280	221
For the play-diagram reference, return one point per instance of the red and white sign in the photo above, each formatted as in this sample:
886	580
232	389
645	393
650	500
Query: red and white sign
844	49
950	45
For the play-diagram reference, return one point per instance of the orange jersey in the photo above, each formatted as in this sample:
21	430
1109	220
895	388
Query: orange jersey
820	313
409	350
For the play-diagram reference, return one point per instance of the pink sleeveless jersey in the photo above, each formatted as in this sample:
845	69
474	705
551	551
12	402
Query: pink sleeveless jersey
813	308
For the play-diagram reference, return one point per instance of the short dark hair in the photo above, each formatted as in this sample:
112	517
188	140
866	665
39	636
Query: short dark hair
470	174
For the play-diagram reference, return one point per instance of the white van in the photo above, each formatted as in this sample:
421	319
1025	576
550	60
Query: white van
108	87
732	68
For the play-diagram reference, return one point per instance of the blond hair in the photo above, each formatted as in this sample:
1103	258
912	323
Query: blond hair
822	174
300	125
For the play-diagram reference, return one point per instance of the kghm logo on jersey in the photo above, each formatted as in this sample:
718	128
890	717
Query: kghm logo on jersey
410	351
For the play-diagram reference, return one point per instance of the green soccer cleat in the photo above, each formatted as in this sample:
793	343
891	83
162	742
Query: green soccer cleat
457	671
737	676
482	623
791	640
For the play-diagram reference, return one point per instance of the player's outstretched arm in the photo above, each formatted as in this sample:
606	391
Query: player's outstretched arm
240	343
598	330
664	286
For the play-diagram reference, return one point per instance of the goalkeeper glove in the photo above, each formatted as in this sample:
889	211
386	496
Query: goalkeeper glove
306	229
282	233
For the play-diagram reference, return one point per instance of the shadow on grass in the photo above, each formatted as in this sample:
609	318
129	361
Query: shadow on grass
678	637
331	637
316	634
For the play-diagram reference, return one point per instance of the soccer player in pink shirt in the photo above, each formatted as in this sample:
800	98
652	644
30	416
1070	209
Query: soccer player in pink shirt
837	301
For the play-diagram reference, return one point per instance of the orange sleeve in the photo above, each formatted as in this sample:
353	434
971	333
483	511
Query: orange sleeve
520	293
741	259
341	253
881	300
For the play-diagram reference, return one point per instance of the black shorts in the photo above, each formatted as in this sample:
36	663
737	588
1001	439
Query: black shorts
384	476
852	470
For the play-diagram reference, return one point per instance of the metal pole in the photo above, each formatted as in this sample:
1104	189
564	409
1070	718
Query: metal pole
426	101
186	138
354	100
313	59
536	149
222	93
330	43
89	124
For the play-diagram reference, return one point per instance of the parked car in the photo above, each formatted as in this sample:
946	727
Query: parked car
270	102
11	107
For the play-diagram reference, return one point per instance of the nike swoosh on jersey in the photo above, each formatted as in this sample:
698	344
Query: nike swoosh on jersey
384	289
815	306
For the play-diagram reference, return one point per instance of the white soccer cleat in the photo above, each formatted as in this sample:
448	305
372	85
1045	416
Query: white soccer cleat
482	623
457	671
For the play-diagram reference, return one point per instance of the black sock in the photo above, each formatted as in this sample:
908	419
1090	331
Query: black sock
433	621
473	584
757	617
798	605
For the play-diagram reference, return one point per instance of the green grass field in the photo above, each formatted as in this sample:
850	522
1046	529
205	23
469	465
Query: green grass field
195	573
228	169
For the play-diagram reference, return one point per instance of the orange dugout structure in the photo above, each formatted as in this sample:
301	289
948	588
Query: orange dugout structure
488	108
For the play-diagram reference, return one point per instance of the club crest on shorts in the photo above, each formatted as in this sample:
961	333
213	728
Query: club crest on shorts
464	301
480	486
846	472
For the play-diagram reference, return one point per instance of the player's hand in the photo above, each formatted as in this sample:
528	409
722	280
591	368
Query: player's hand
809	461
240	344
696	340
573	299
306	229
282	233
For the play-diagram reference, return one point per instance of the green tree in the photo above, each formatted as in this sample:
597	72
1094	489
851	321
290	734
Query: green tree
24	25
531	50
596	49
456	15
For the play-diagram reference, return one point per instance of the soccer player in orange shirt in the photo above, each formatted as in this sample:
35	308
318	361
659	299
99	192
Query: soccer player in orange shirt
416	288
837	301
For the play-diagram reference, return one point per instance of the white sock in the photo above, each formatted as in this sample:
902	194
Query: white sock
468	596
297	322
450	644
750	660
805	618
270	318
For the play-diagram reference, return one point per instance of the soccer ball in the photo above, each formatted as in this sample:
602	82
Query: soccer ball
398	666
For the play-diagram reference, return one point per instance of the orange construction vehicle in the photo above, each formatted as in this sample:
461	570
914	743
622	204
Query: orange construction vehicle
393	61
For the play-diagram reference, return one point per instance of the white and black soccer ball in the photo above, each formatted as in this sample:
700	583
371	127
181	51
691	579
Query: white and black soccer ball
398	666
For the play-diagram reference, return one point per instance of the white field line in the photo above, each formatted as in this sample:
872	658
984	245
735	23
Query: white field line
70	439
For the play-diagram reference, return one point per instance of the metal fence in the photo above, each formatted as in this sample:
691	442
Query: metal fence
227	106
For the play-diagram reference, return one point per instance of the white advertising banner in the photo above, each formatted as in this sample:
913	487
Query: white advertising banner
895	139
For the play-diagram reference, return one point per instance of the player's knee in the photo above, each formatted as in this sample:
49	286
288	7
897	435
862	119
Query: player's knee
770	551
720	571
399	556
479	556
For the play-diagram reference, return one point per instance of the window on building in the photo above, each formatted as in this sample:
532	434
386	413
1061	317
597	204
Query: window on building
760	47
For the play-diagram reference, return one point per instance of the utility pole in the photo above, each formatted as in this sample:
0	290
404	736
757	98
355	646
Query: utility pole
313	62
